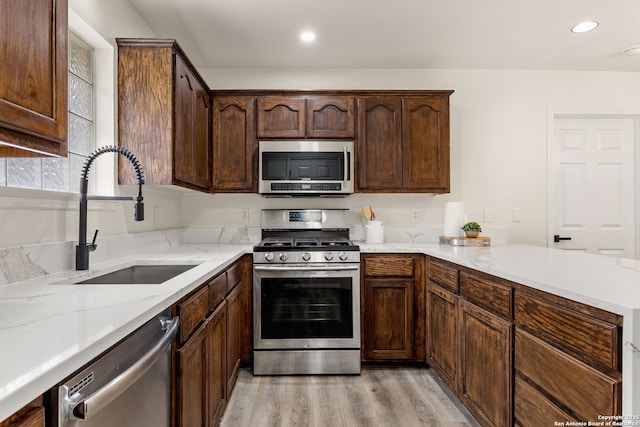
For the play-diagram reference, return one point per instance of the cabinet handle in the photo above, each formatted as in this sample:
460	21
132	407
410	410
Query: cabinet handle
557	238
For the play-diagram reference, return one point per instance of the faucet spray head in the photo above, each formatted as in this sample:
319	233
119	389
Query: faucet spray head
138	207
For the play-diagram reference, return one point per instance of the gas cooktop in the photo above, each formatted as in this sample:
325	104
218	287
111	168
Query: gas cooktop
320	243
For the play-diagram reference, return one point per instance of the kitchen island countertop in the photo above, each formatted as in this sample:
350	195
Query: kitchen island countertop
50	328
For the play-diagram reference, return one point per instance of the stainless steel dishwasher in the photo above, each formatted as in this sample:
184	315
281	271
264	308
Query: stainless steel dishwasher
130	385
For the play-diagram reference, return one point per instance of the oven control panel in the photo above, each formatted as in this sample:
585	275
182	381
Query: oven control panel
305	257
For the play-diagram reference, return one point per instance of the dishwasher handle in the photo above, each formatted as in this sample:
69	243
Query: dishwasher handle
93	403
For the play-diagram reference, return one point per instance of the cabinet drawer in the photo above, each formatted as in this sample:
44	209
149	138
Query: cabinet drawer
595	339
193	311
234	275
577	386
217	290
443	275
488	294
533	409
389	265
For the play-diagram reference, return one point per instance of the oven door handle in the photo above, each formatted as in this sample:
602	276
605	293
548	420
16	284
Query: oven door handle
101	398
306	268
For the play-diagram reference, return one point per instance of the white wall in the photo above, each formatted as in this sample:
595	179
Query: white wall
29	217
498	139
498	146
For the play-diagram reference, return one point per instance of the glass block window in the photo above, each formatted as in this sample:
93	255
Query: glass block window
63	174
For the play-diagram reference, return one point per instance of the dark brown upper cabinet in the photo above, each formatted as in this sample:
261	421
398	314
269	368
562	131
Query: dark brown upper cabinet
164	115
33	78
403	143
235	146
306	116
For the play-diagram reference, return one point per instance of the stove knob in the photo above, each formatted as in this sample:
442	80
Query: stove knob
283	257
328	256
306	256
268	256
343	256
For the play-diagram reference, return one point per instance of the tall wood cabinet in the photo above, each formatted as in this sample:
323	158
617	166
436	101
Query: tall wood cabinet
163	114
235	147
403	143
192	128
33	78
393	307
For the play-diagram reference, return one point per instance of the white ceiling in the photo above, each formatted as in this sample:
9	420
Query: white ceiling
506	34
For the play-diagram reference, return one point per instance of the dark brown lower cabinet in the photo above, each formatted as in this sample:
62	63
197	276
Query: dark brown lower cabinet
209	346
217	364
442	339
31	415
191	383
486	365
201	376
393	306
233	336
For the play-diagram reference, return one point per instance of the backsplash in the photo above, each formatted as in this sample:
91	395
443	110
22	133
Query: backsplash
26	262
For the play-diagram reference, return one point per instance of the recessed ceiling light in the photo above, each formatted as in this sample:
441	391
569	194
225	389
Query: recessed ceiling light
583	27
307	36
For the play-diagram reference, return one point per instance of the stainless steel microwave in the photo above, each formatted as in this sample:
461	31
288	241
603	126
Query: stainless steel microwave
306	167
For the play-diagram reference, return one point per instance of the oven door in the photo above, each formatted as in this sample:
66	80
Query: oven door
306	306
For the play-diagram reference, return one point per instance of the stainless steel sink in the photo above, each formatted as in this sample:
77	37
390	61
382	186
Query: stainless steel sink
139	274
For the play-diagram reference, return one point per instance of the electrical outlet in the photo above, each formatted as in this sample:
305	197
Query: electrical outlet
245	215
156	215
415	215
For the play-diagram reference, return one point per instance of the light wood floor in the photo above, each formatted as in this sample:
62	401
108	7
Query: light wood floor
394	397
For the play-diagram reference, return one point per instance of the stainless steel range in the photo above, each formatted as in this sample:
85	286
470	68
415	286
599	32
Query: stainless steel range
306	298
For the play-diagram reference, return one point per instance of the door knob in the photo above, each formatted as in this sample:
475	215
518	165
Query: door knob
557	238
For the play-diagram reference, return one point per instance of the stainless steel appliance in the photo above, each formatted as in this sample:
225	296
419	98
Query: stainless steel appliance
306	298
130	385
306	168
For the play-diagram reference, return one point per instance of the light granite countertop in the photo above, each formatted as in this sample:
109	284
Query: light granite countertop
50	328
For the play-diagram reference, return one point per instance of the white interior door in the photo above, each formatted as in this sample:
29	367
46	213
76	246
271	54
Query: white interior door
592	184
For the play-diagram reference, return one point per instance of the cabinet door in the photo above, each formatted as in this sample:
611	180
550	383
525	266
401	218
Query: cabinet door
235	146
233	337
486	365
191	140
379	162
217	364
281	117
442	334
202	139
425	147
388	319
330	117
192	380
33	76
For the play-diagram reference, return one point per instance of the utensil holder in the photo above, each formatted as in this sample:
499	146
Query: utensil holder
374	232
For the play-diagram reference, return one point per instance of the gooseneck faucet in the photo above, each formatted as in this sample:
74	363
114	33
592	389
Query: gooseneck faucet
83	248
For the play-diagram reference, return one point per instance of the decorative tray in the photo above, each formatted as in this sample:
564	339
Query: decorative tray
465	241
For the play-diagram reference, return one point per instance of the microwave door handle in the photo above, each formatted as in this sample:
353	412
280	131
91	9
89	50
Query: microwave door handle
346	166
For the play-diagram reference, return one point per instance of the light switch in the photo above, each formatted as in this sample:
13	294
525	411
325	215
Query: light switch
516	214
487	215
